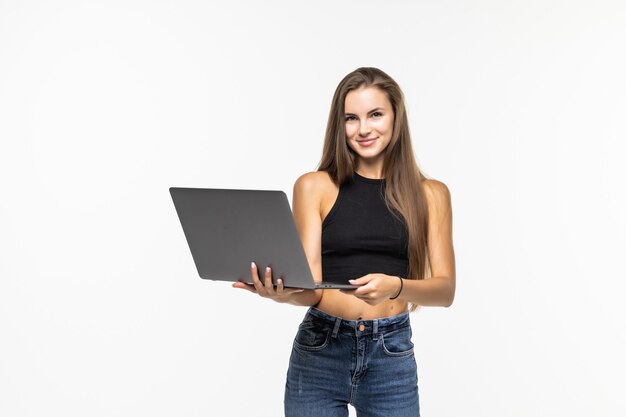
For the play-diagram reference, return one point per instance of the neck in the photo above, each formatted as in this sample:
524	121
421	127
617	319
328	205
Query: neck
370	170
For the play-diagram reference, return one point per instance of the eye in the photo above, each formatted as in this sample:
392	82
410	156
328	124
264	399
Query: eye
377	114
350	117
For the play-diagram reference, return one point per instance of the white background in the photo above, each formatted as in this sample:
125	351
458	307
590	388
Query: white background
518	106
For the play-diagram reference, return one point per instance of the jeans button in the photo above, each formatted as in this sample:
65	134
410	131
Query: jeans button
361	327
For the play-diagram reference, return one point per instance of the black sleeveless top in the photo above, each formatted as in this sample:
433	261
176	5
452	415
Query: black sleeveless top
361	236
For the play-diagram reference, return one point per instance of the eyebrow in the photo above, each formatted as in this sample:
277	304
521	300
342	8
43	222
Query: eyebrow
369	112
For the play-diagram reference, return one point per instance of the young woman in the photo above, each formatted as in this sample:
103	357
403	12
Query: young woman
369	217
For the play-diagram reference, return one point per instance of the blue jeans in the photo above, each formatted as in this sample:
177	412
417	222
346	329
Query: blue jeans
366	363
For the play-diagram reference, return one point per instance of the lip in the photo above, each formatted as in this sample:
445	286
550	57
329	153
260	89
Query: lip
367	142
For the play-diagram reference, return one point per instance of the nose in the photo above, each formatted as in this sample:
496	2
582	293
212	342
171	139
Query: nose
364	129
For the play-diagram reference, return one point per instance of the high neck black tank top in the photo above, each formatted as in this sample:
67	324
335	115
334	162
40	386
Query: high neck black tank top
361	236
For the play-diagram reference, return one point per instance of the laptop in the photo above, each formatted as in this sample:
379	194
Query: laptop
228	229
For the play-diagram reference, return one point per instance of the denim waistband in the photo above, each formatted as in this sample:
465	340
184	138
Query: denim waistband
363	327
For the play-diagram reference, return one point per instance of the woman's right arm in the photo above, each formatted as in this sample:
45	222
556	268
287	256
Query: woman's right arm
306	204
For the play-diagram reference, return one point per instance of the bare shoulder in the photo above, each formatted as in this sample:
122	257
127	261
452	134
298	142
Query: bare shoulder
313	183
316	190
437	194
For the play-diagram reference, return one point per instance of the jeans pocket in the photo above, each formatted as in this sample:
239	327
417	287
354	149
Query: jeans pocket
312	337
398	342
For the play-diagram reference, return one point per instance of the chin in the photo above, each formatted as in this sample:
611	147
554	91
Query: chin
369	155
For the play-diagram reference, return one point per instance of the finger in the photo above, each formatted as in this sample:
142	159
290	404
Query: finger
255	279
361	291
269	286
281	290
254	273
360	281
367	296
368	286
353	291
244	286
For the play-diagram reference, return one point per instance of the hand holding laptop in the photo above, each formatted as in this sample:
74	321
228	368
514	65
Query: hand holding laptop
265	288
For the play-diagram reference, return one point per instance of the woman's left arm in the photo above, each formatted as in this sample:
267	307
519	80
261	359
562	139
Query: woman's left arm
440	288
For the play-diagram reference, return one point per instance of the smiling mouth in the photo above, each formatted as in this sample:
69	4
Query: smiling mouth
366	142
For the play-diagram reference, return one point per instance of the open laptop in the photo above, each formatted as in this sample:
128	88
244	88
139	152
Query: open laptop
228	229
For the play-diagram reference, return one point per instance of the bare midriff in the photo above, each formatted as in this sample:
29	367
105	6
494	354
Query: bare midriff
349	307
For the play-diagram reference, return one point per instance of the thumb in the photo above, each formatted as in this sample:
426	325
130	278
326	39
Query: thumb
359	281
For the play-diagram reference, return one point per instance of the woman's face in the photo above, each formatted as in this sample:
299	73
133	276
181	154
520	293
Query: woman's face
369	122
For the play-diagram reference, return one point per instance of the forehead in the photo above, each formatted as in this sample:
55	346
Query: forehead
365	99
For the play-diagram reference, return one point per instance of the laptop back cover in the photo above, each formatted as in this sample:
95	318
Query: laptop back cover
227	229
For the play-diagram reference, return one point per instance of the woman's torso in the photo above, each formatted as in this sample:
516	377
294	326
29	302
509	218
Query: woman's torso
340	304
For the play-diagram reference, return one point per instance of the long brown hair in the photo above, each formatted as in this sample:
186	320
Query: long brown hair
404	193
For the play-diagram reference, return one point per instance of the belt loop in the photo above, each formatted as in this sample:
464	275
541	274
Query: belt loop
336	328
375	329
